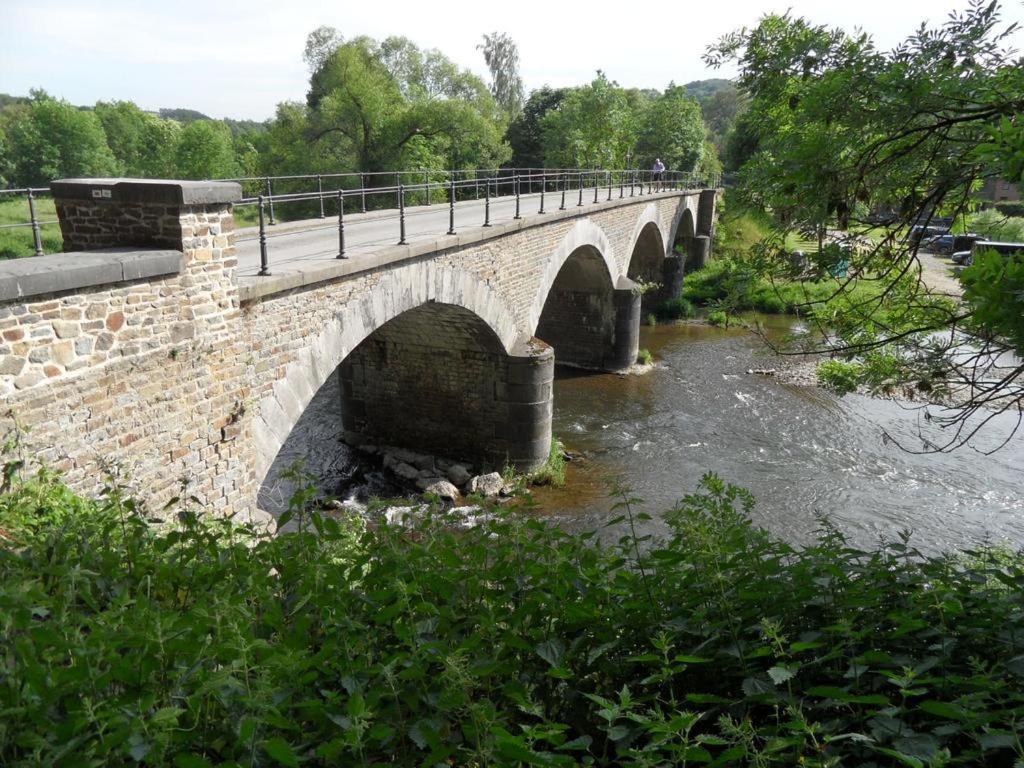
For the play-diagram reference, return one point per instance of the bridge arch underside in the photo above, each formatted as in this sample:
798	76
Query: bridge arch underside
691	248
649	265
437	380
589	321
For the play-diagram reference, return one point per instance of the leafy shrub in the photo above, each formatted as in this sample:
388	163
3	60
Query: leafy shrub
994	288
644	356
651	319
206	643
839	376
719	317
553	471
998	226
675	309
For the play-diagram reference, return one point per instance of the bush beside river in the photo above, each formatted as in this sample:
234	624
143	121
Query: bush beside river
205	643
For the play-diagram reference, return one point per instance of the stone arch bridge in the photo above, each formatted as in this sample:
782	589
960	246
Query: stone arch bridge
150	350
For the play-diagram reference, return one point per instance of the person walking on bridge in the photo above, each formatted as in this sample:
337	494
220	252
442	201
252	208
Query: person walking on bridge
657	172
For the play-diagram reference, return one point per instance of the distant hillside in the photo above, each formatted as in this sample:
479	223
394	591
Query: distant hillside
704	90
190	115
182	115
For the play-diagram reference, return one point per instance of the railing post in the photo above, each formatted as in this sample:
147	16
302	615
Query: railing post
426	180
515	186
608	178
451	204
362	190
270	200
341	224
399	191
543	186
476	184
580	180
641	184
596	185
264	261
562	179
487	202
632	184
37	235
401	213
320	193
622	187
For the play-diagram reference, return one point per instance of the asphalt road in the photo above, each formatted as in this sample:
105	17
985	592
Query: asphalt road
303	246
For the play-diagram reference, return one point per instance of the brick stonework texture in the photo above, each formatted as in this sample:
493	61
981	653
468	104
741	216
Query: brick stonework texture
170	380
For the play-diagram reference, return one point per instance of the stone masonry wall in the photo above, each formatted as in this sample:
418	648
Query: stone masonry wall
172	380
146	377
297	338
88	225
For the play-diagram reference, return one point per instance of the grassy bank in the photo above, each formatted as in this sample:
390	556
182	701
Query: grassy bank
510	644
16	242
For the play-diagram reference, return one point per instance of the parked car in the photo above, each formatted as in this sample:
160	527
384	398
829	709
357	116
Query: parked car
919	233
1005	249
938	243
949	243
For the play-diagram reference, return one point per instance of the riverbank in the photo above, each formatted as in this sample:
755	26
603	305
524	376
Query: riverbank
507	643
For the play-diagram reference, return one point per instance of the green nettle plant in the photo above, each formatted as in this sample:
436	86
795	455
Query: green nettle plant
205	643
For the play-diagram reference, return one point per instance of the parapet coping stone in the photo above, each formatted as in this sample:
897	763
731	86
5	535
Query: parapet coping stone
61	272
155	191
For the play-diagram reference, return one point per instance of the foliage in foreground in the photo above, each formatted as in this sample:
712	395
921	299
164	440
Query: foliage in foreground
510	644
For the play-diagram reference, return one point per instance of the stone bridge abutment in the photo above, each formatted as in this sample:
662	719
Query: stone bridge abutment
144	353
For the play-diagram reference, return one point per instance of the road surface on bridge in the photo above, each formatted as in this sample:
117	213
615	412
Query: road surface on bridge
304	248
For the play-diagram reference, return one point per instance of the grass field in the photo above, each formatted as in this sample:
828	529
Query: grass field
16	242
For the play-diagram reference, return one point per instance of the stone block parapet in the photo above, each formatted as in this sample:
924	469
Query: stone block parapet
129	353
107	213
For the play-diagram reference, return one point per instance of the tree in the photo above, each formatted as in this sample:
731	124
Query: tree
721	112
593	127
320	44
389	106
143	144
838	132
205	151
525	132
502	56
671	129
51	139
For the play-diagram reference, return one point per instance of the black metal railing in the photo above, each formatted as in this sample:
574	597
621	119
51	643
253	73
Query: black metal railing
397	194
403	195
23	205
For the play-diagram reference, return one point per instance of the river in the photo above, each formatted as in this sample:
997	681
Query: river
801	451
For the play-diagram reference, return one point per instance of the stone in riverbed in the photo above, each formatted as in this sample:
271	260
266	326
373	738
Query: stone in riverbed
401	469
489	485
439	487
458	474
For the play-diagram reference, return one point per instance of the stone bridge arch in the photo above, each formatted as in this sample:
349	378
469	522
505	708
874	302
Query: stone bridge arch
460	334
585	308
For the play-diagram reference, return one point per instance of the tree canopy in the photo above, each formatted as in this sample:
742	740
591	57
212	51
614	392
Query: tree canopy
842	135
502	56
391	105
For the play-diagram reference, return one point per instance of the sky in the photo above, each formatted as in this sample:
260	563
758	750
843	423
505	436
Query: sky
228	58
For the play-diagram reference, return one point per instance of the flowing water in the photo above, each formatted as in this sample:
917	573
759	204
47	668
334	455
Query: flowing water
802	452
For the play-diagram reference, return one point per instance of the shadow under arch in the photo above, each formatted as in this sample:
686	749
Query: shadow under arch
428	354
589	320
